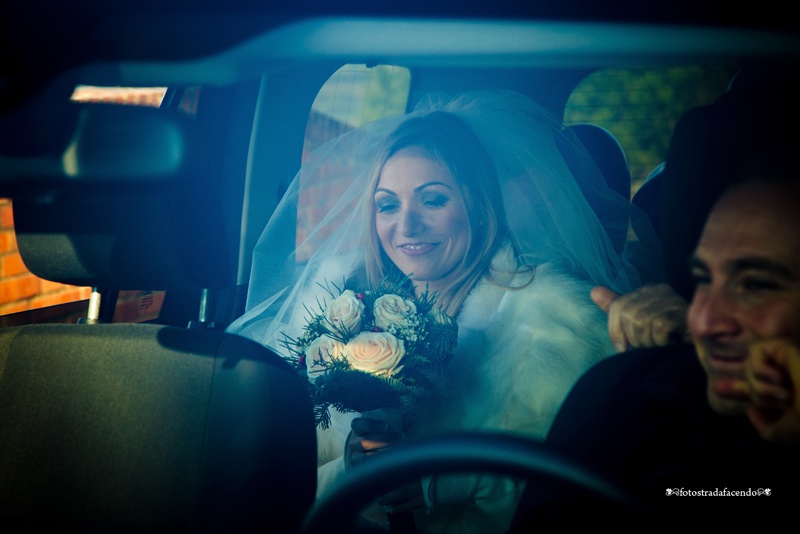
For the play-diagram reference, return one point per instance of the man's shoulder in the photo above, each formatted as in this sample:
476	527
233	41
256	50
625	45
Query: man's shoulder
673	367
629	398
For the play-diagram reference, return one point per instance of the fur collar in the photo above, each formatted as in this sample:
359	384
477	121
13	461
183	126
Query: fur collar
520	350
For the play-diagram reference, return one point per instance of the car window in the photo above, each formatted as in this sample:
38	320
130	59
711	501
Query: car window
353	96
641	106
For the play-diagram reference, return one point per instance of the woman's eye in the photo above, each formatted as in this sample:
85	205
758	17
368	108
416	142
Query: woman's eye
435	201
386	206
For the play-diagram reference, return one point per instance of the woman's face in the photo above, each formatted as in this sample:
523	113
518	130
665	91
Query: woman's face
421	218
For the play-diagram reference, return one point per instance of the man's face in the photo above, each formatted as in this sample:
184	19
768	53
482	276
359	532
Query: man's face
747	269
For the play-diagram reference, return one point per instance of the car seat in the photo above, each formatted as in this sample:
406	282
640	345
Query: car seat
127	427
609	158
647	197
607	153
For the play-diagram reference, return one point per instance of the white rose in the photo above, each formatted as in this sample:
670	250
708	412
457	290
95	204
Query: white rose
344	313
323	349
378	353
390	309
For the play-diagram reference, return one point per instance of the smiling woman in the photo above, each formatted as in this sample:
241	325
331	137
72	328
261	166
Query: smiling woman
421	219
438	211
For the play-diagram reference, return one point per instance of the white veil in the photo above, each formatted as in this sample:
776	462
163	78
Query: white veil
549	218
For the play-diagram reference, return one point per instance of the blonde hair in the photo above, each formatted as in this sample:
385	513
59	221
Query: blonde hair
446	139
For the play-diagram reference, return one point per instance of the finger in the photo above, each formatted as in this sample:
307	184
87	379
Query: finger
669	326
761	421
649	316
760	373
358	451
769	395
639	333
630	318
776	353
375	441
765	367
635	316
768	386
616	332
603	297
382	441
652	316
618	312
362	426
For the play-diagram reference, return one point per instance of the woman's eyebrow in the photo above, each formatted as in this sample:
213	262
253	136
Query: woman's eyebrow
429	184
416	189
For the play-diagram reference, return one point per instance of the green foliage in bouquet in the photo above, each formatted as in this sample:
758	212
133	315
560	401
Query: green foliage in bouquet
379	348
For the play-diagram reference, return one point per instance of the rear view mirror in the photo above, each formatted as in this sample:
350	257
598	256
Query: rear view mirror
55	140
124	142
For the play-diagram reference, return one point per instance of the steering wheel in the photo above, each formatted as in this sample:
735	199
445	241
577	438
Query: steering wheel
472	452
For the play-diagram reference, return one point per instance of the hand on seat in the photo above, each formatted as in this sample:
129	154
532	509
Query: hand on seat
650	316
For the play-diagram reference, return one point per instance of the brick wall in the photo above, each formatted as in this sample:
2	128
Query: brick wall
19	289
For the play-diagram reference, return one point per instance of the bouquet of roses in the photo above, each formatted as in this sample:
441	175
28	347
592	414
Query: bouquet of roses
380	348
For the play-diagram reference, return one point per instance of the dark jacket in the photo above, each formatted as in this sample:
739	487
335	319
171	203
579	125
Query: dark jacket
642	420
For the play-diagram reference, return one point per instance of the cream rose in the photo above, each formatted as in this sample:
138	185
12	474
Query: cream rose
344	312
390	309
324	349
378	353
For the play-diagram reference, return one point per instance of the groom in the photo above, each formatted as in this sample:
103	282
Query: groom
708	429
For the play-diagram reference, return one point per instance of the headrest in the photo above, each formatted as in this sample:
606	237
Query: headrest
607	153
648	196
125	201
607	157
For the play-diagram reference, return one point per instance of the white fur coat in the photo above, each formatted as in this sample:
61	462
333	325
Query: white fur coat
519	351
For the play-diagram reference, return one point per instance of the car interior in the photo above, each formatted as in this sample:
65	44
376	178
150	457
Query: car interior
173	423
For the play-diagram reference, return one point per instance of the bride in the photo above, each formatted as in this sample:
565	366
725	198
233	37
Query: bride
470	198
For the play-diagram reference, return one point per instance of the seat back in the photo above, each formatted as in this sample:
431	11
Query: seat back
150	427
